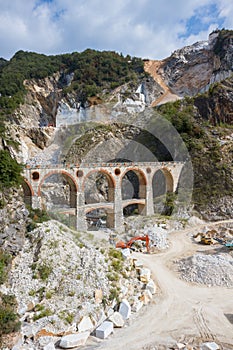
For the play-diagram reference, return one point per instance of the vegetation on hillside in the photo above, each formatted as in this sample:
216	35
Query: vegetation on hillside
92	72
9	320
212	171
10	171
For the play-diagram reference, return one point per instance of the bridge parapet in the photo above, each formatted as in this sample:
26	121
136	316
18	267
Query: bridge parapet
103	164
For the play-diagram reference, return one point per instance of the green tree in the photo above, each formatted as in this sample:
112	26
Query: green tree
10	171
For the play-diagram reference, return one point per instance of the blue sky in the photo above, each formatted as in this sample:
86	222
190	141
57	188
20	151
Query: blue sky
144	28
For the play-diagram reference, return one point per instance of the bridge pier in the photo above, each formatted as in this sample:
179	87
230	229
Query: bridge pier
117	215
149	207
81	222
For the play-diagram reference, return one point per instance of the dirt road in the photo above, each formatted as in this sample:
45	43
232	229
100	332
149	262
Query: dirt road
181	311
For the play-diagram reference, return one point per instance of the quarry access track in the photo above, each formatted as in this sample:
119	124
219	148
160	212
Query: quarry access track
180	311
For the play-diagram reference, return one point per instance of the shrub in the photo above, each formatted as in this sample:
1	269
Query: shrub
10	171
44	271
9	320
5	260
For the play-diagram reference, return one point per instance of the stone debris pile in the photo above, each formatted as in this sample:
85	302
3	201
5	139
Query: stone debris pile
211	270
158	236
69	290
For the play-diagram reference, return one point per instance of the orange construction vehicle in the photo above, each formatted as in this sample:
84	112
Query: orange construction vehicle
128	244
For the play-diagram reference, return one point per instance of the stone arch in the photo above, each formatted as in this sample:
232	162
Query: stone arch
110	181
139	187
70	180
28	192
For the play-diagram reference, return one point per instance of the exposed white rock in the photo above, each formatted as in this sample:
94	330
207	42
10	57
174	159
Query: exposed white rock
151	287
85	324
73	340
117	320
126	253
49	346
146	297
138	264
104	330
209	346
125	309
137	305
145	275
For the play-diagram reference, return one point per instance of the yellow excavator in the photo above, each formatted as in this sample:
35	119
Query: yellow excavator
205	238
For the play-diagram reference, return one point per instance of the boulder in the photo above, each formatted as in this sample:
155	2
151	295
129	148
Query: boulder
137	306
100	318
104	330
145	275
138	264
117	320
146	297
98	296
151	287
73	340
209	346
126	253
85	324
49	346
125	309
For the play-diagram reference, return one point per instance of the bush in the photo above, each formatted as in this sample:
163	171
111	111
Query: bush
5	260
44	271
9	320
10	171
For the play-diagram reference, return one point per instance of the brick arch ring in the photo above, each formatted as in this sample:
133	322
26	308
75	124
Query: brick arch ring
58	172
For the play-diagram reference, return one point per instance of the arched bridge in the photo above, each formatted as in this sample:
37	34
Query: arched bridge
77	175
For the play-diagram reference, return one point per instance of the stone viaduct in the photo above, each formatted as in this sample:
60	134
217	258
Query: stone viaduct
77	175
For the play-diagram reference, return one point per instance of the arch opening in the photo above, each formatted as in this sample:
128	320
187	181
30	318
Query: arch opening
58	192
27	192
162	186
99	190
98	187
133	187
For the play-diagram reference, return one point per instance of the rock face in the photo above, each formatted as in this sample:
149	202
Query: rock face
217	105
13	217
192	69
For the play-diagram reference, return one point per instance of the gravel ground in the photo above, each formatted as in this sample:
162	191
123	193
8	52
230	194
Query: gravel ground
211	270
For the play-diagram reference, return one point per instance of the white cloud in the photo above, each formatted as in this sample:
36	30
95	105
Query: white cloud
146	28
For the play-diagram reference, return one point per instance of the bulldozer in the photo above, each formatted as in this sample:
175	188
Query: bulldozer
128	244
205	238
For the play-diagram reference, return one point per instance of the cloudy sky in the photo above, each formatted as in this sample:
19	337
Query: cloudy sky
144	28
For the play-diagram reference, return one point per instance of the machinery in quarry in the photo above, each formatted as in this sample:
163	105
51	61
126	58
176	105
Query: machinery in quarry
209	238
205	238
124	245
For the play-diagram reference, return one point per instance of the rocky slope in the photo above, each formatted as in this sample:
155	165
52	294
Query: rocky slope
65	282
192	69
